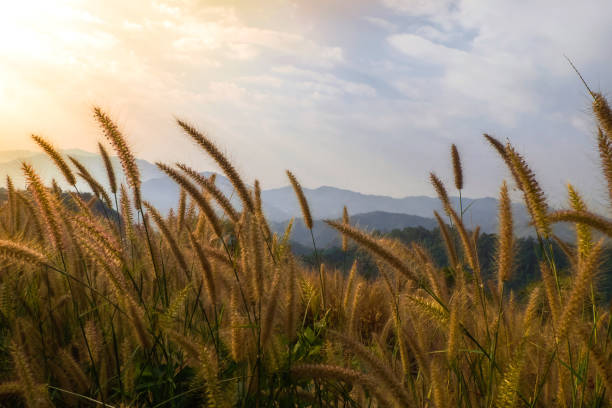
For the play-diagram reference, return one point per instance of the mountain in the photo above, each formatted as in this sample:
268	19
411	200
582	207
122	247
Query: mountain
369	211
10	165
9	155
164	193
327	202
325	236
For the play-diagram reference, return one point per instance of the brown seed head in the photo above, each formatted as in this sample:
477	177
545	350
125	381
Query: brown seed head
532	193
209	185
20	253
222	161
57	159
505	251
441	191
604	145
457	169
200	200
602	111
112	180
297	188
45	203
119	143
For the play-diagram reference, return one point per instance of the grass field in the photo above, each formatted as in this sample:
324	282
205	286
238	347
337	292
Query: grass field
119	305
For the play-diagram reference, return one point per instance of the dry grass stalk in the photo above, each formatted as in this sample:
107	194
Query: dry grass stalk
441	192
257	253
409	337
137	317
348	291
507	395
96	187
468	244
604	145
57	159
582	217
108	165
380	369
174	246
374	247
344	374
551	292
268	318
457	169
586	271
297	188
532	193
193	192
345	221
584	238
453	330
20	253
128	162
601	360
45	204
181	209
603	113
505	251
127	216
259	214
34	394
222	161
34	216
292	313
209	185
501	150
353	322
449	243
13	211
207	271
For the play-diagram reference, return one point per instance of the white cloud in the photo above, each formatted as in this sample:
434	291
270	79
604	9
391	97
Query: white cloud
227	91
327	81
433	34
277	86
381	23
420	7
496	80
427	51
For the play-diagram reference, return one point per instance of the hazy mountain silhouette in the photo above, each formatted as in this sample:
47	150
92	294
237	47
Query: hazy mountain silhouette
325	236
10	164
373	212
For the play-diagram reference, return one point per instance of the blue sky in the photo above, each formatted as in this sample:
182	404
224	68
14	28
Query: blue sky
366	95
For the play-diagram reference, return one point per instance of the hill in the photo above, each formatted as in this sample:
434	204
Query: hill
378	212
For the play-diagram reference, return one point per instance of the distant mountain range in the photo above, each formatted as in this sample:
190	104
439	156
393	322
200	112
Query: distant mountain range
326	236
10	165
372	212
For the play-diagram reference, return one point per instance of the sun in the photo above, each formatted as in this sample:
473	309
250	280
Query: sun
23	24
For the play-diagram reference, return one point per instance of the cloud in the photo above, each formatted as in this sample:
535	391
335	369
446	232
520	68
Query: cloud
364	95
419	7
381	23
427	51
221	29
493	79
328	80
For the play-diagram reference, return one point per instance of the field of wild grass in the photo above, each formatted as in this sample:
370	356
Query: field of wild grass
107	302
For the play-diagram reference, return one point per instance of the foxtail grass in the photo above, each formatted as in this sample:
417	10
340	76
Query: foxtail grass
57	158
209	306
230	171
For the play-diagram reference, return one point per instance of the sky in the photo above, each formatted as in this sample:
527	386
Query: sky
364	95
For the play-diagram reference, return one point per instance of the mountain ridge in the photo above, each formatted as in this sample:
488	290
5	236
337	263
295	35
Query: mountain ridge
280	204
